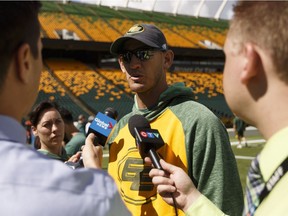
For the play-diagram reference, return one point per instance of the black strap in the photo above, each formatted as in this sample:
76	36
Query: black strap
274	179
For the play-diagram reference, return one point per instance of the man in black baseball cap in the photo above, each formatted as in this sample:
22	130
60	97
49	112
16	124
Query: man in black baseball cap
188	128
145	33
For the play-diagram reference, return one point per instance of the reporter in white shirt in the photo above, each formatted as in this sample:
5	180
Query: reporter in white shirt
30	183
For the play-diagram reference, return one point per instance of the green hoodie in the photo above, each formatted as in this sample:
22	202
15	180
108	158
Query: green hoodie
195	140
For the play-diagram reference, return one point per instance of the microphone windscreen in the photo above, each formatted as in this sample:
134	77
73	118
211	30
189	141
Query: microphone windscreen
137	121
111	112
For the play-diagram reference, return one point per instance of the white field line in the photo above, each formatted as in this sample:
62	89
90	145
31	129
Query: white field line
249	141
244	157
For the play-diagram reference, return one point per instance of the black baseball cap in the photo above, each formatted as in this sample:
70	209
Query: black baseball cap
145	33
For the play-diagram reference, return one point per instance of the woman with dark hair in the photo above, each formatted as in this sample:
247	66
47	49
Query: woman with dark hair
48	128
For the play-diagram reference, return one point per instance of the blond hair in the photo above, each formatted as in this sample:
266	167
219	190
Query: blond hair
264	23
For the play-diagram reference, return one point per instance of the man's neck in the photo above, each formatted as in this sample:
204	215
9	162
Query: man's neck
149	99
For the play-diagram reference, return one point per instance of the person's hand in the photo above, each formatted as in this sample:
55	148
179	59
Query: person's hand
75	158
174	180
92	155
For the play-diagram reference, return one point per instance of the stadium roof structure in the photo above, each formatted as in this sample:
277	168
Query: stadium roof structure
217	9
87	30
81	32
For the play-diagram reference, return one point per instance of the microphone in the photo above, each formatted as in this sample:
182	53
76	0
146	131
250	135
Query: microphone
111	112
147	140
103	124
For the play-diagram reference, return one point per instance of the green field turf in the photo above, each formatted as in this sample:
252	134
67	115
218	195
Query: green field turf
243	164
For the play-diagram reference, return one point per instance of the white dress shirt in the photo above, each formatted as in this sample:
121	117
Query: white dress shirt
32	184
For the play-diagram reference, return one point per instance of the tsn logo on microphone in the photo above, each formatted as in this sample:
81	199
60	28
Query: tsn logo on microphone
147	134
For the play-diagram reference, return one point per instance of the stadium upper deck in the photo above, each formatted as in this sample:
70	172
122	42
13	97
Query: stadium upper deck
77	38
102	24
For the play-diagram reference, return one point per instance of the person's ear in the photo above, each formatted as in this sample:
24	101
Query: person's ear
24	64
121	65
34	131
251	64
168	59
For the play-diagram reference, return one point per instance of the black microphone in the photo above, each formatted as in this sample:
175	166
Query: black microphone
111	112
147	140
103	124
